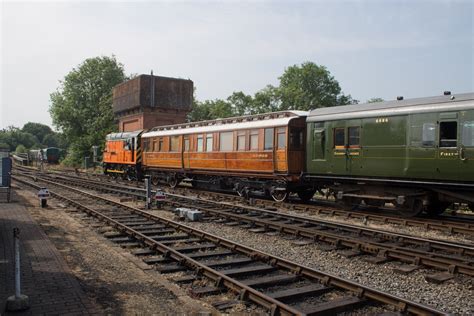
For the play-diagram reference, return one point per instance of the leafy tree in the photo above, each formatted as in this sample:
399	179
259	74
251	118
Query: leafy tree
310	86
241	103
37	129
375	100
4	146
81	106
267	100
51	140
20	149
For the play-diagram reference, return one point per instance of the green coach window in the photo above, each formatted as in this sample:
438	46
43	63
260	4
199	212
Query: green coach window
448	134
468	133
339	138
429	134
354	136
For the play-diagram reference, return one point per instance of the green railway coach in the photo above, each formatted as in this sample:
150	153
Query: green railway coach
417	154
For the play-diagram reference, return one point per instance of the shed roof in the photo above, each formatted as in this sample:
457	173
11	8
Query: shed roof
396	107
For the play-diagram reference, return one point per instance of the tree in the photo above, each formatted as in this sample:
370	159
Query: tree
267	100
81	106
37	129
241	103
310	86
20	149
375	100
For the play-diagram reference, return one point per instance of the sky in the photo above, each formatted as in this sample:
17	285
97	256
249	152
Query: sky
373	48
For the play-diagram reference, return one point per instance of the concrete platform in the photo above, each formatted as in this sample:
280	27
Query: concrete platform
46	279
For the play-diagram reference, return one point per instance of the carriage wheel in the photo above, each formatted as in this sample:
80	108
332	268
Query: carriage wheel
413	208
306	194
155	180
173	181
279	195
437	208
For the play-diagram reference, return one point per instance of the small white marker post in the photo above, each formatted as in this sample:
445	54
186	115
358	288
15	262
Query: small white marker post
18	301
148	192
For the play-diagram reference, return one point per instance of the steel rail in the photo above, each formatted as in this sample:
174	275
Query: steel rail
245	291
412	256
451	226
404	254
455	248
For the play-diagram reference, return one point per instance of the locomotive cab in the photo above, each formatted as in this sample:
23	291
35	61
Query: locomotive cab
122	155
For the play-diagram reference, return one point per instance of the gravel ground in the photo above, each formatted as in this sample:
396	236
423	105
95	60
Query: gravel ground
413	231
107	273
454	296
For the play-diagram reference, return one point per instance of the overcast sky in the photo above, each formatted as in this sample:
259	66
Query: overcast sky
373	48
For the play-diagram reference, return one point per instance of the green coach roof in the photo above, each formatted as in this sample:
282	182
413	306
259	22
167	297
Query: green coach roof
397	107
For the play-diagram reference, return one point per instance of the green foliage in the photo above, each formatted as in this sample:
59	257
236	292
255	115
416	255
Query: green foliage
37	129
81	107
14	136
310	86
375	100
302	87
4	146
20	149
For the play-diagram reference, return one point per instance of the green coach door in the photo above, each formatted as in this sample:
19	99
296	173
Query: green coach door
466	148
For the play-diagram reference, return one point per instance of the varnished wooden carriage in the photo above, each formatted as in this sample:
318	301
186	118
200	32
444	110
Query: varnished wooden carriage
263	152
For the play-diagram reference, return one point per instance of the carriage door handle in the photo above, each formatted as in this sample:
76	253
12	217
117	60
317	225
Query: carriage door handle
461	154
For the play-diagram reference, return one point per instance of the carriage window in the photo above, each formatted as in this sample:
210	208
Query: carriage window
155	144
354	136
296	138
226	141
448	132
241	140
208	142
468	133
200	143
254	139
174	143
160	144
339	138
186	143
281	138
268	138
429	134
146	143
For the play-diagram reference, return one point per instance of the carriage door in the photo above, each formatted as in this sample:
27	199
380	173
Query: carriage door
319	141
450	153
185	151
353	147
466	150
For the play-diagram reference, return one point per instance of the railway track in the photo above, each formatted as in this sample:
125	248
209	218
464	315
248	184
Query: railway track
445	223
380	246
280	286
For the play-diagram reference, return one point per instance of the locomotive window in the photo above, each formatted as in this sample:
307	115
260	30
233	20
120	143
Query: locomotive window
268	138
241	140
354	136
296	138
200	143
429	134
226	141
186	143
208	142
339	138
281	138
448	132
468	133
254	139
174	143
